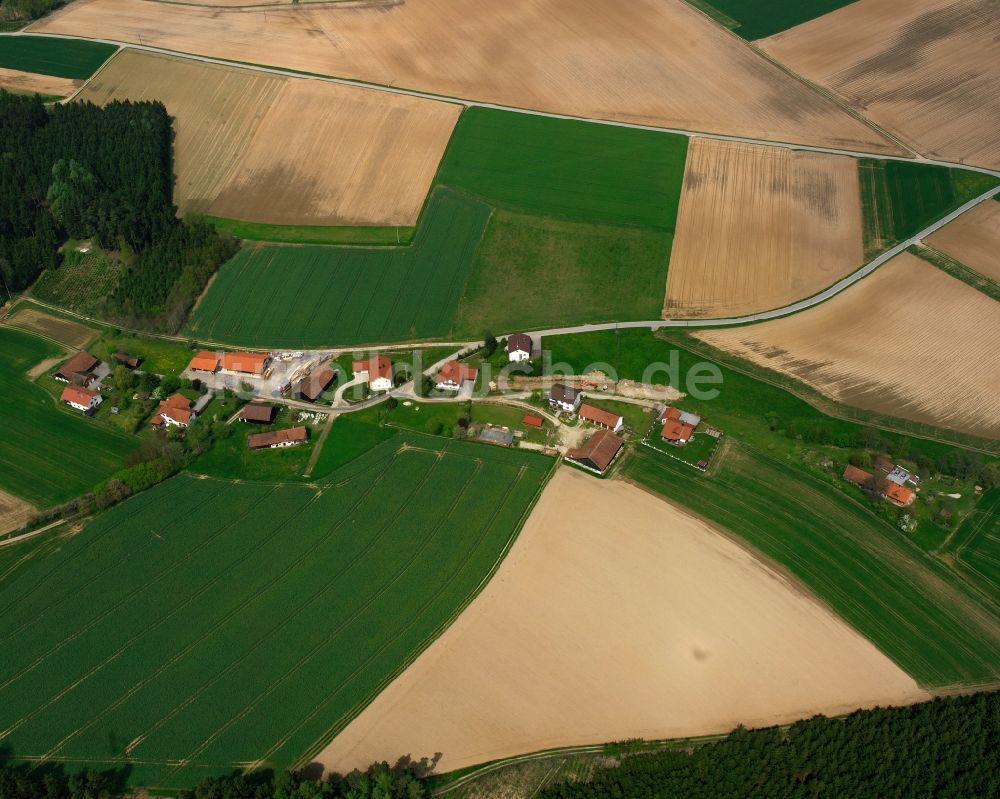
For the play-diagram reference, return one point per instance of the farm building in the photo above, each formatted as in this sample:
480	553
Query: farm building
174	411
454	375
601	417
246	363
565	398
496	435
598	453
127	360
377	370
204	361
83	399
533	420
884	464
78	370
518	347
312	387
289	437
859	477
257	413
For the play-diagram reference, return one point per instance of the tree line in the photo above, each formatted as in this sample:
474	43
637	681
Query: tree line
80	171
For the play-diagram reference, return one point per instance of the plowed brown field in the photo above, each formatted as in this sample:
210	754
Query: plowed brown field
909	340
973	239
926	70
616	615
62	330
662	63
14	512
267	148
760	227
30	82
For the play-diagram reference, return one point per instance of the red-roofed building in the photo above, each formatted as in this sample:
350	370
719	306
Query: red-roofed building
857	476
454	375
677	433
899	495
247	363
598	453
174	411
533	420
275	439
83	399
78	370
204	361
599	416
377	370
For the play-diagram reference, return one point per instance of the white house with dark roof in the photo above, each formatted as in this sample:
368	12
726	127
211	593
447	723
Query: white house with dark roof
565	398
518	347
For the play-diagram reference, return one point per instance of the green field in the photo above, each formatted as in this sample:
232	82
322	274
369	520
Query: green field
49	455
313	234
252	621
900	198
83	283
534	271
64	58
755	19
568	169
975	546
911	606
294	296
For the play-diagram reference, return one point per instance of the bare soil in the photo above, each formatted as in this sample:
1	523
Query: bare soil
663	63
14	512
30	82
72	334
909	340
761	227
973	239
617	615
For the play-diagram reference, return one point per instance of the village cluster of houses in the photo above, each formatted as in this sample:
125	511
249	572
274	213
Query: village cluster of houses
83	374
890	483
600	450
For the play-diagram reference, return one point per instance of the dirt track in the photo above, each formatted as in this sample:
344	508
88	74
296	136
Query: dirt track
617	615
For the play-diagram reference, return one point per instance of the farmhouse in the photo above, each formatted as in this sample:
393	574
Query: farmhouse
276	439
898	475
454	375
257	413
899	495
83	399
377	370
312	387
565	398
677	433
127	360
601	417
246	363
598	453
532	420
204	361
671	414
518	347
174	411
78	370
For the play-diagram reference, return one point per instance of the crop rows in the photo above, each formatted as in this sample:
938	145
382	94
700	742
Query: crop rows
976	543
64	58
251	621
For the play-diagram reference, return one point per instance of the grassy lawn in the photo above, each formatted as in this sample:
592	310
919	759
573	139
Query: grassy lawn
83	283
975	547
297	296
313	234
253	621
64	58
566	168
533	272
911	606
755	19
49	454
158	356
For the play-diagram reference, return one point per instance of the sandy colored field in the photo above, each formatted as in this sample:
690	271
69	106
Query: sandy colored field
760	227
64	331
31	82
926	70
662	63
973	239
266	148
910	341
617	615
13	512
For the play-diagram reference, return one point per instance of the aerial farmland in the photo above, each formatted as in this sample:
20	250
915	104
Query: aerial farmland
554	400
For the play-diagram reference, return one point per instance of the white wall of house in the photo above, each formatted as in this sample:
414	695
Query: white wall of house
518	355
94	402
171	422
569	407
380	384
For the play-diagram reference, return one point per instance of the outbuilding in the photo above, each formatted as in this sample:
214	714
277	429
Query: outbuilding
289	437
246	363
312	387
257	413
599	416
598	453
78	370
204	361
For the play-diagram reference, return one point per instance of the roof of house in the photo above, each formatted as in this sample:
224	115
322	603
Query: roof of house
674	430
594	414
457	373
898	493
314	385
179	415
127	360
257	412
289	434
600	449
78	394
205	361
855	475
176	400
377	366
692	419
883	463
248	362
560	392
898	475
670	413
533	420
518	341
81	363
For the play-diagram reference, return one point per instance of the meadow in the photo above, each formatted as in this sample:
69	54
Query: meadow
294	296
975	545
313	234
63	58
298	603
49	455
755	19
913	608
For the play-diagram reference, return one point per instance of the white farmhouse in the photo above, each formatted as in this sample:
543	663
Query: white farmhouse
377	370
83	399
518	347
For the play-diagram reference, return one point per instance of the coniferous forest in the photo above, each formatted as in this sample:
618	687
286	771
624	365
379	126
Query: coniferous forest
79	171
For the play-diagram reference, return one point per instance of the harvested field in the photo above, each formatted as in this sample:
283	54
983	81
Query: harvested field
908	341
681	632
72	334
973	239
15	80
926	70
14	512
661	64
279	150
760	227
